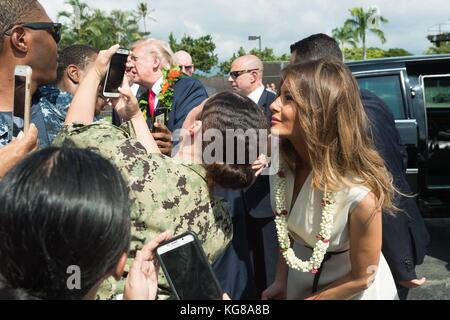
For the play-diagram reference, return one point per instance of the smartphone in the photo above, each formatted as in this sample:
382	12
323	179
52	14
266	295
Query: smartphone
22	94
160	116
187	269
116	71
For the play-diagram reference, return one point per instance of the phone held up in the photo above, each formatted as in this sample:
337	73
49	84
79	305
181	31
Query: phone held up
115	74
187	269
22	95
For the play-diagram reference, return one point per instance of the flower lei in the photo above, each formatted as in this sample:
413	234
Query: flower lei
323	238
170	77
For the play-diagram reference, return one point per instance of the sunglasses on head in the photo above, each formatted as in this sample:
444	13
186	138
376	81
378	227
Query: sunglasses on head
236	74
53	28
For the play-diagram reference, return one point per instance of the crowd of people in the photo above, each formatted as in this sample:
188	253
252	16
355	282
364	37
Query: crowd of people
336	221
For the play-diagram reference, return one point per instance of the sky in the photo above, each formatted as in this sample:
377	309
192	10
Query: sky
279	23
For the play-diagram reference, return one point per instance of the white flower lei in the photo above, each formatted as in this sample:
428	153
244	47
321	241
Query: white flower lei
323	238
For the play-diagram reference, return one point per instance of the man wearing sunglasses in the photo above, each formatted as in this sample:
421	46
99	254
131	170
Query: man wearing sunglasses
184	60
27	37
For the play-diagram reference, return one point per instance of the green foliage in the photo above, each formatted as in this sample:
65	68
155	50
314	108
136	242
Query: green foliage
84	25
201	50
442	49
374	53
143	12
361	21
265	55
344	35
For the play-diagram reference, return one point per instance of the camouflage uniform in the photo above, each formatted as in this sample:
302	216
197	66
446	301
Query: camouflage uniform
165	194
5	127
49	112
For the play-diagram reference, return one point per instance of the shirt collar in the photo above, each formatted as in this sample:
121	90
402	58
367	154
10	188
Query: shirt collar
256	94
157	86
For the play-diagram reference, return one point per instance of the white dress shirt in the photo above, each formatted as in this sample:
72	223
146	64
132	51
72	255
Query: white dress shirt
256	94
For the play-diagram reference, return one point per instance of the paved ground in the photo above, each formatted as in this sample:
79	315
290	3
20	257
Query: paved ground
436	267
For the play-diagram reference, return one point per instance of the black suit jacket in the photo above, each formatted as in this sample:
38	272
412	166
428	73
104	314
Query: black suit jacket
257	196
405	237
188	93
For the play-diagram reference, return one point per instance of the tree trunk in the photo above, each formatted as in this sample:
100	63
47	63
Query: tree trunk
364	47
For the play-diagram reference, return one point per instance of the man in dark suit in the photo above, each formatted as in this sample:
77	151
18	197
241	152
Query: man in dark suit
246	78
145	67
405	237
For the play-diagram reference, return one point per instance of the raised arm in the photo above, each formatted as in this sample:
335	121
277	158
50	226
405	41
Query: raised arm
128	109
82	108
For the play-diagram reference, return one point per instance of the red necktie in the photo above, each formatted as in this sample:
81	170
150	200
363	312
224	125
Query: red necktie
151	102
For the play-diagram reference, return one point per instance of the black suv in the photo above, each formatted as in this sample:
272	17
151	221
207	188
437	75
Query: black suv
417	90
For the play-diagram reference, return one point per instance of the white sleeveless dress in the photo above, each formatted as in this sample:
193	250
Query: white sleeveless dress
304	225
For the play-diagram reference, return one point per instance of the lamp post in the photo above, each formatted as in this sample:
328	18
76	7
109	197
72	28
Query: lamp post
256	38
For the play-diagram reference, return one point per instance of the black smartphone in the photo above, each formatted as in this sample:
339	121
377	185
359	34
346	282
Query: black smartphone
187	269
116	72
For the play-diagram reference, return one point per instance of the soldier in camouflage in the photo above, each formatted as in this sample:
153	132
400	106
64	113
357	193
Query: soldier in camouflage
165	194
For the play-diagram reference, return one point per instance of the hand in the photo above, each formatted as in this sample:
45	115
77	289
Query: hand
163	138
142	280
127	106
276	291
226	297
18	149
260	164
102	61
413	283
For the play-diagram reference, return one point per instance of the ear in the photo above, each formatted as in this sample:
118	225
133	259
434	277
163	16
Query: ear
156	63
255	75
195	128
20	39
120	267
73	73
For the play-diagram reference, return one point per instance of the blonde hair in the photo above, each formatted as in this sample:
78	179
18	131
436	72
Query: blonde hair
334	126
160	49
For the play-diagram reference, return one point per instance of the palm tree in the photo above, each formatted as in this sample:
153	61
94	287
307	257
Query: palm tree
344	35
142	12
76	18
362	21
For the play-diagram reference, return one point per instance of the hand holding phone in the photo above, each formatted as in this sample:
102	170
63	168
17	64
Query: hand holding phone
115	74
142	279
187	269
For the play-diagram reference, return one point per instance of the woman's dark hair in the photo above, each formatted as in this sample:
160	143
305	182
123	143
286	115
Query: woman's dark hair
60	208
227	111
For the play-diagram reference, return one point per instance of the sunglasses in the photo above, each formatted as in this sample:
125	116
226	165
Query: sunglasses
187	67
53	28
236	74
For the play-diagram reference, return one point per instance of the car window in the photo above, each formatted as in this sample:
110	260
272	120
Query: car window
437	91
387	88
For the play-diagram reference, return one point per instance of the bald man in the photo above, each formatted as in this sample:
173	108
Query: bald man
246	78
184	60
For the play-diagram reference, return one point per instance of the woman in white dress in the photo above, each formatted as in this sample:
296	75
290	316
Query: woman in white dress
330	190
